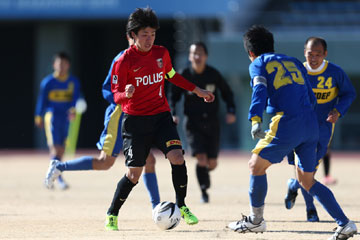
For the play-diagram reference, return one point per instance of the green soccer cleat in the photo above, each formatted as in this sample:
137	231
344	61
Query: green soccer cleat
111	223
188	216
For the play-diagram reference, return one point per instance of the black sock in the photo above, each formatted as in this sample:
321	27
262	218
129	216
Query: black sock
180	179
122	191
326	160
203	177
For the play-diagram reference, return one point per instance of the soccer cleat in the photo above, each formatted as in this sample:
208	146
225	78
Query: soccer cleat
62	184
345	232
312	216
52	174
245	225
111	223
329	180
290	196
188	216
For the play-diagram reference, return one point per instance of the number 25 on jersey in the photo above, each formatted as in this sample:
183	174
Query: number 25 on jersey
281	68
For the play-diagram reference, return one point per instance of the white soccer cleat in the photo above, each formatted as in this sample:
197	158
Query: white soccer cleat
52	174
245	225
345	232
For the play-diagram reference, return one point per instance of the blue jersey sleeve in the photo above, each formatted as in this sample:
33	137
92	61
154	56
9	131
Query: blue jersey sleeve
76	93
259	86
310	91
42	100
346	95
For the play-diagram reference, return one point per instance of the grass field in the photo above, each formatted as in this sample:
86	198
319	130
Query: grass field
29	211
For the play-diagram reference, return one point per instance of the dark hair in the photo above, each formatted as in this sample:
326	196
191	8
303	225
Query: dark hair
61	55
141	18
316	41
201	44
258	40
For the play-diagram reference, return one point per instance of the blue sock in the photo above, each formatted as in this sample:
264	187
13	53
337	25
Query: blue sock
150	182
82	163
309	200
293	185
328	201
257	190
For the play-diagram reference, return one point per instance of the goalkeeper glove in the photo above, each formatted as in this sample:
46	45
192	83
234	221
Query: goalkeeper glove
256	131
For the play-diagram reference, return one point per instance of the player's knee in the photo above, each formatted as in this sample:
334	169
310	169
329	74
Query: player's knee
176	157
306	183
103	163
212	165
133	174
258	165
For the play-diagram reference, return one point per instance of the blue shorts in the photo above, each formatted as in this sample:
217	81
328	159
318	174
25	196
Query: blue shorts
111	141
286	133
56	128
326	131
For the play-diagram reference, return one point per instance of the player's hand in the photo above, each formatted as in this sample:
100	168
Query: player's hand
39	122
205	94
176	120
333	116
129	90
256	131
230	118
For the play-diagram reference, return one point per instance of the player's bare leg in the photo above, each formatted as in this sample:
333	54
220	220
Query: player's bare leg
257	192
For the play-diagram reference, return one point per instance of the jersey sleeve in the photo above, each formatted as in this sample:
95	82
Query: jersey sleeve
346	95
106	87
172	76
119	76
76	94
226	93
259	87
312	98
42	100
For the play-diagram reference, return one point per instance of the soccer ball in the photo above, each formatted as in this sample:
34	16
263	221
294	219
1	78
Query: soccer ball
166	215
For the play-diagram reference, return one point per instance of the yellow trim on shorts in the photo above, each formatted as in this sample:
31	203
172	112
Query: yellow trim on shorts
270	134
112	131
170	74
47	126
328	145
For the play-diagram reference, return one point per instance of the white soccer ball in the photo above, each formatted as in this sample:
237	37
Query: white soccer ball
166	215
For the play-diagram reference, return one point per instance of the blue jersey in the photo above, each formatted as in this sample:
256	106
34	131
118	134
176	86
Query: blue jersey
279	84
57	96
333	89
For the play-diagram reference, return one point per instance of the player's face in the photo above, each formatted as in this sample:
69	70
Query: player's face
144	39
314	55
61	65
197	56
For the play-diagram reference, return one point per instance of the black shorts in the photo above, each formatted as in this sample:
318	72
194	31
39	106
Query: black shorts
141	133
203	136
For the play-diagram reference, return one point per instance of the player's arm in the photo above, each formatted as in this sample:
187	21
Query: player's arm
257	106
228	96
347	94
119	80
41	104
172	76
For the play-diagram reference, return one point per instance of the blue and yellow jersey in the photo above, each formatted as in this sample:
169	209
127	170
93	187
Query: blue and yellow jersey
279	84
332	88
57	95
106	87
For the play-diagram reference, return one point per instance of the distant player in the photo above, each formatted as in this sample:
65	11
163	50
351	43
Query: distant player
280	85
202	121
334	93
138	78
110	145
55	107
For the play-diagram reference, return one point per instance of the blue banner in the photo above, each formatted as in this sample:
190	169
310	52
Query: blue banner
108	9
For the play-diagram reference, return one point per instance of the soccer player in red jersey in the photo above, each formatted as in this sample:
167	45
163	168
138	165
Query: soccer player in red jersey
138	85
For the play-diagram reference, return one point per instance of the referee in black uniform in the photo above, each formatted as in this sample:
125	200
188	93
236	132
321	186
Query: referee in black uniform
202	123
